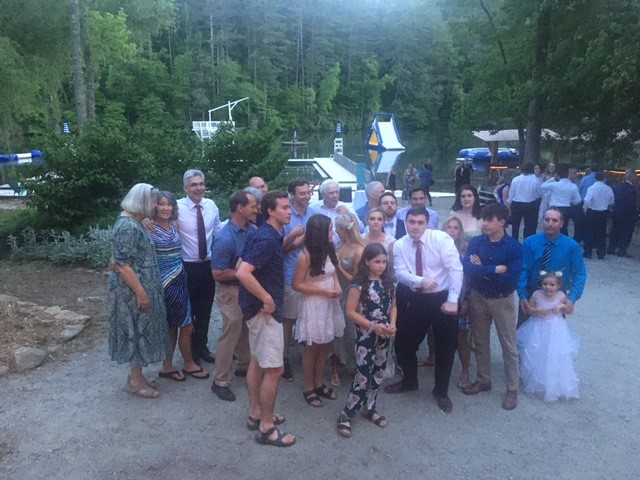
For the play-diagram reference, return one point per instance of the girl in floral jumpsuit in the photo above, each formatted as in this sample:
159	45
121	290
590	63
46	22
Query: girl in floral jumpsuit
371	306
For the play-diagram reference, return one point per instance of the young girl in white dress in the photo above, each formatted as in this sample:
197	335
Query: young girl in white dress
320	317
546	346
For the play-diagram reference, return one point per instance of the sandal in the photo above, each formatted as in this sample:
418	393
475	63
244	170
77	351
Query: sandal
254	423
326	392
174	375
143	391
200	373
263	438
312	398
375	418
335	378
344	427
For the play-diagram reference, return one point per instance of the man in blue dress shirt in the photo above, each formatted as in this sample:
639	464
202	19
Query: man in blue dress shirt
565	255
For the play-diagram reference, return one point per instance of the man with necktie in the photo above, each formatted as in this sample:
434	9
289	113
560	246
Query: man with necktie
199	221
429	273
552	251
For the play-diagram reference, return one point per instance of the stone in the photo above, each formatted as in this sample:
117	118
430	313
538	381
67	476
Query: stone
71	317
54	348
93	299
8	299
53	310
4	370
70	331
26	358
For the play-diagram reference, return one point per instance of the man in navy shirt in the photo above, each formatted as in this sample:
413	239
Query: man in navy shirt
493	263
261	276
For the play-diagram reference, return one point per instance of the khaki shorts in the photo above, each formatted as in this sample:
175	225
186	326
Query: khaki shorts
266	340
291	300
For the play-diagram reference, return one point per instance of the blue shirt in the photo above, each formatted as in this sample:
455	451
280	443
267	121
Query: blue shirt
362	212
585	183
566	257
291	256
483	278
227	247
263	250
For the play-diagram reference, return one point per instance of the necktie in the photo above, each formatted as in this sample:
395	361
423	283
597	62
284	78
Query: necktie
546	257
202	236
418	245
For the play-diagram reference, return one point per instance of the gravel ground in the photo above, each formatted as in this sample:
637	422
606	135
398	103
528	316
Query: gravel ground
74	420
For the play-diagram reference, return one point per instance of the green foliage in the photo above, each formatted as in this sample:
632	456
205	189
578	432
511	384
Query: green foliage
93	249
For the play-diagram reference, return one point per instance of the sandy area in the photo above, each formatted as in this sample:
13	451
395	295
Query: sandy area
74	420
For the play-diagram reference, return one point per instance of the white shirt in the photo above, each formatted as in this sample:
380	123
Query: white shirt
563	192
524	189
599	197
434	218
320	207
440	261
188	226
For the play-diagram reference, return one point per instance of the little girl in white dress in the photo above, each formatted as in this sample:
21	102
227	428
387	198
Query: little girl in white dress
546	346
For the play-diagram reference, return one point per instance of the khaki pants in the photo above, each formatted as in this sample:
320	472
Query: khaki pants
234	337
483	311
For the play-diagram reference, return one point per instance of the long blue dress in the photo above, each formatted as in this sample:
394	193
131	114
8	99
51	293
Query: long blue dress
136	337
174	279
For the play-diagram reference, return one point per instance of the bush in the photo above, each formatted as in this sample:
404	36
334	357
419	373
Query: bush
92	249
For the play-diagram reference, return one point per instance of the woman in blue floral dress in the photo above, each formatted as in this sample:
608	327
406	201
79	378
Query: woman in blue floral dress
371	307
137	315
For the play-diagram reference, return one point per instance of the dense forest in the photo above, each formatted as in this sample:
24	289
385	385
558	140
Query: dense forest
130	76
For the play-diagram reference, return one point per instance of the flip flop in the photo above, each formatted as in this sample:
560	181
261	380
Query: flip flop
194	373
143	391
174	375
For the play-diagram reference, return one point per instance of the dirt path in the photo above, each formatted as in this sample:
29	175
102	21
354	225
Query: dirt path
74	420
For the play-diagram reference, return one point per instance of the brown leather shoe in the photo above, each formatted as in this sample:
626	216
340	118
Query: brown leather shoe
398	387
510	400
476	387
444	403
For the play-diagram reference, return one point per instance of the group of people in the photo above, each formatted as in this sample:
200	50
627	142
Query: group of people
588	202
359	289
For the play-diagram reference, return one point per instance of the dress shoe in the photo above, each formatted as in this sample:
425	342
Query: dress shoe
207	356
510	400
399	387
223	393
444	403
476	388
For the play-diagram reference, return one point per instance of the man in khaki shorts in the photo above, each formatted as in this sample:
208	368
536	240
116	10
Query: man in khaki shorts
261	276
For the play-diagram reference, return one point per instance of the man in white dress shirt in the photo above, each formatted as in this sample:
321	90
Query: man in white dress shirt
331	206
418	198
597	201
429	273
524	199
199	221
564	194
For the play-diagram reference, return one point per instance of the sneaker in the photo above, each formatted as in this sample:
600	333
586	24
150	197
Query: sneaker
223	393
287	375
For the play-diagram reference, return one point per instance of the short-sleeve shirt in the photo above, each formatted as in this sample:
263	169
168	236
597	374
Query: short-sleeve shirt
227	247
291	257
264	251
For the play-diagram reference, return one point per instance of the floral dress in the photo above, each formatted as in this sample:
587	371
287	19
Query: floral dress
136	337
371	350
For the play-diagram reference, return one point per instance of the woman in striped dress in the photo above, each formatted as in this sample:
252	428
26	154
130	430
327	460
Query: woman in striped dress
174	280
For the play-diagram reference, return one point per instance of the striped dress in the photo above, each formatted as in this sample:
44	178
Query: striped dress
174	279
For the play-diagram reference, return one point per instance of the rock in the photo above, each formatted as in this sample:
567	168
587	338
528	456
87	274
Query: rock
4	370
26	358
53	310
71	317
71	331
94	299
54	348
7	299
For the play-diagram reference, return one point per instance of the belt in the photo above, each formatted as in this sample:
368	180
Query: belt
494	294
